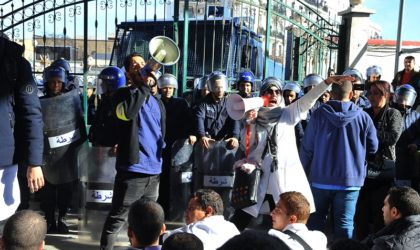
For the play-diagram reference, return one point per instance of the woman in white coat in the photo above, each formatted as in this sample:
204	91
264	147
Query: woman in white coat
272	146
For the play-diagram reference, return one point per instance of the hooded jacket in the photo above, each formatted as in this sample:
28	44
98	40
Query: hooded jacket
336	141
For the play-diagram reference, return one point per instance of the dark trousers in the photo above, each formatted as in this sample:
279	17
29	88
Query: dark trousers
24	189
369	207
165	182
128	187
56	196
242	219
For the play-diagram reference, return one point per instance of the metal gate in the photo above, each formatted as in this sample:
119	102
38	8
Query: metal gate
297	37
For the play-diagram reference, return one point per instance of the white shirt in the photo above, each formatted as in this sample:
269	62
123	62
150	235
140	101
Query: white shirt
315	239
213	231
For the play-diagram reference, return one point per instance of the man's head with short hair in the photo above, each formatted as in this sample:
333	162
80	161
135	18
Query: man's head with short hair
136	63
146	222
183	241
25	230
292	207
399	203
409	63
133	63
254	240
203	203
342	92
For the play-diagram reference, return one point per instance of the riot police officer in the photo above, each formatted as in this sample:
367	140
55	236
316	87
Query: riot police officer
358	87
309	82
245	84
373	73
178	126
63	132
104	122
213	122
73	82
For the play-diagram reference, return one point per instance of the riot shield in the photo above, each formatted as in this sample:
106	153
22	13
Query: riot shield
64	132
98	178
213	169
180	179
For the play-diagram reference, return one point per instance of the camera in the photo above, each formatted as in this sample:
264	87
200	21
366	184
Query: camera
360	87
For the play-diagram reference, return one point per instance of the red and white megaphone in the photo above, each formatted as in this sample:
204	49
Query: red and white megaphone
237	106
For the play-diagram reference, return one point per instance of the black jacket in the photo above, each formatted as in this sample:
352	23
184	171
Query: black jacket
388	124
21	124
131	100
213	120
401	234
398	78
415	82
406	167
179	120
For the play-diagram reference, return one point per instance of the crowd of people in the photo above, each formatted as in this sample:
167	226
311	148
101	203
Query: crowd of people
337	156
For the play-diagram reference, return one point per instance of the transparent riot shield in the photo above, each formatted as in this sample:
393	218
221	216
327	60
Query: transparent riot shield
98	178
213	169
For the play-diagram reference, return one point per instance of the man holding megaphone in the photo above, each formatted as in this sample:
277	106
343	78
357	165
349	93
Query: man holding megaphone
141	131
268	142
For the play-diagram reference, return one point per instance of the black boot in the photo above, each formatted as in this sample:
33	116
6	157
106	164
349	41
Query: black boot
51	223
63	228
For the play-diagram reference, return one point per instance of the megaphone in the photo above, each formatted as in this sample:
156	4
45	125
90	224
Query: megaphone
237	106
163	52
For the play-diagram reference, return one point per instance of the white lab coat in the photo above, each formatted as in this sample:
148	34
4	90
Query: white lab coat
213	231
290	175
315	239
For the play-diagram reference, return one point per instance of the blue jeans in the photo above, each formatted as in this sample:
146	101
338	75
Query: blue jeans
343	206
128	188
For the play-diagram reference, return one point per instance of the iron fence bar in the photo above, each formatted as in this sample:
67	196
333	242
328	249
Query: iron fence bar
185	46
74	35
176	35
44	39
65	28
85	66
195	41
223	36
258	25
54	28
204	38
96	33
135	11
213	40
33	35
239	41
267	36
23	25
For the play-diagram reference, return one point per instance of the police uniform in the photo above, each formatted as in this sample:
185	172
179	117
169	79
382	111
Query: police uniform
178	126
213	120
21	138
64	132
